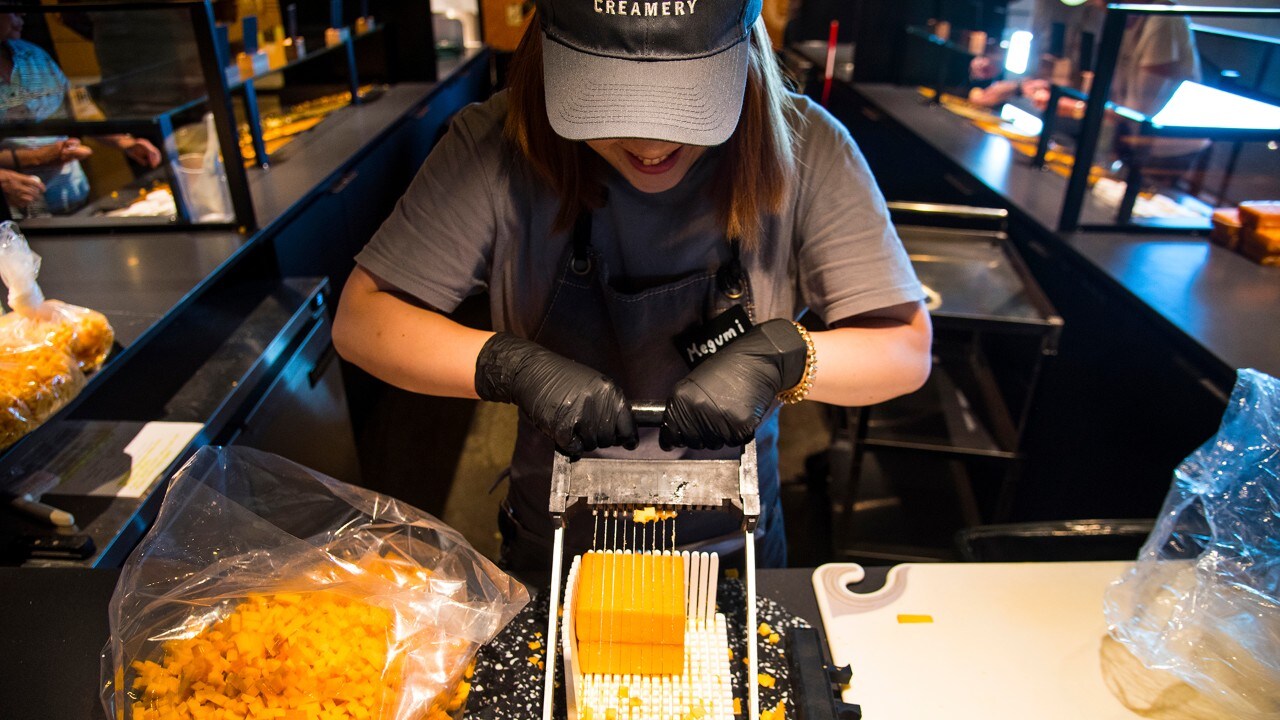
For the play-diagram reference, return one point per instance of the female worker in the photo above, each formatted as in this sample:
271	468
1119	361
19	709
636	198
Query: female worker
648	210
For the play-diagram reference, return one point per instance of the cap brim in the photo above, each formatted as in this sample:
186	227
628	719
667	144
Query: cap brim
694	102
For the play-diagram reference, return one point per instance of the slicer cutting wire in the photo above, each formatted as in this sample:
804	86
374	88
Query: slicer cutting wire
612	488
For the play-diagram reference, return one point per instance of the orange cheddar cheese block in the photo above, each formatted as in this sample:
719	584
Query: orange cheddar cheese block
1226	228
1261	246
1264	240
1260	214
630	598
597	658
629	615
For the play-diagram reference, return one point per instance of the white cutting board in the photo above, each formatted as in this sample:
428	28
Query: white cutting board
1015	641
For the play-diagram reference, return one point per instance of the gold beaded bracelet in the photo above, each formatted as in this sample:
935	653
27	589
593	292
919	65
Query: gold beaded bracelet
802	388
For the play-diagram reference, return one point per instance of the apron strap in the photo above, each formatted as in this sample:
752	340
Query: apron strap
730	278
582	243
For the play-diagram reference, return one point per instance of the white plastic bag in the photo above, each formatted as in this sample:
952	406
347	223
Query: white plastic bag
1202	603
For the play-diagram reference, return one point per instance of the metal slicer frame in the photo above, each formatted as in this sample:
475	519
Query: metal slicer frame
663	484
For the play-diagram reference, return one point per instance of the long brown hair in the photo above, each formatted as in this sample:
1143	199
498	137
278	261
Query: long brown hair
755	168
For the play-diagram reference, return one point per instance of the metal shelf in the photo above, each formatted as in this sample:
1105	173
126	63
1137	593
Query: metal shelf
942	417
993	329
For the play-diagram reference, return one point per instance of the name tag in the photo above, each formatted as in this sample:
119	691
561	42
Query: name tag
706	339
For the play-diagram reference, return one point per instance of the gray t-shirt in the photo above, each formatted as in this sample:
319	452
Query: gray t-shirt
477	218
1167	43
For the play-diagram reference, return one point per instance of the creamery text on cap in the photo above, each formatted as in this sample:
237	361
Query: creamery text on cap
640	8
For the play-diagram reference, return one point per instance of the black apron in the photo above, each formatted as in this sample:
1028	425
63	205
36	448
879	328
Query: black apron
629	338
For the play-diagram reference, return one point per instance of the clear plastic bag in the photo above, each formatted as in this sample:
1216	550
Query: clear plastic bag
83	333
46	346
202	179
36	380
264	585
1202	603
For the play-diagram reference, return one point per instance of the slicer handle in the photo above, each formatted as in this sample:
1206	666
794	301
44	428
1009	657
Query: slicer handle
648	413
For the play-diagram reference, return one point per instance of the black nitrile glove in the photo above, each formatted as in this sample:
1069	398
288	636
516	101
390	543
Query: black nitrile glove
723	400
577	407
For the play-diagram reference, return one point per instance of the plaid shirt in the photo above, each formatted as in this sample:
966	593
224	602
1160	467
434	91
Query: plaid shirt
37	88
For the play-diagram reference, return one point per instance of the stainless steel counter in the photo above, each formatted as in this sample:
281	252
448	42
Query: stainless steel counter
1226	306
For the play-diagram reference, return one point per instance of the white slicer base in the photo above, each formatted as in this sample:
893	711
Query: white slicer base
703	690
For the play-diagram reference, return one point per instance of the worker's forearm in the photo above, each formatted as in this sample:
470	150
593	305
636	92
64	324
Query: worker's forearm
12	158
403	344
876	360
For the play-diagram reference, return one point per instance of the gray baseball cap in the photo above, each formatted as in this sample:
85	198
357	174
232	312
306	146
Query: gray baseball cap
669	70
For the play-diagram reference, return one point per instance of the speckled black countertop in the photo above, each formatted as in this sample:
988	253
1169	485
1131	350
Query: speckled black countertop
53	625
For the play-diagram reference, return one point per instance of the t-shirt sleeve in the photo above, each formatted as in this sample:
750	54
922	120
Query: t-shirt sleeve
849	258
437	244
1164	41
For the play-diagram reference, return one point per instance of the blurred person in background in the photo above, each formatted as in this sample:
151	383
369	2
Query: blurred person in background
33	89
1157	55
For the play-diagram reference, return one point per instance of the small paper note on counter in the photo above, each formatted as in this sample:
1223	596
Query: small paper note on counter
152	450
122	459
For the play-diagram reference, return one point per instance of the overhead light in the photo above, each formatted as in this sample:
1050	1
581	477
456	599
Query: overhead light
1021	120
1200	106
1019	54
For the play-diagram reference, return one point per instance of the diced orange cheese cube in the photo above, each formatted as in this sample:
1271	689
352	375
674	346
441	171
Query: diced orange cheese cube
912	619
777	712
287	656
